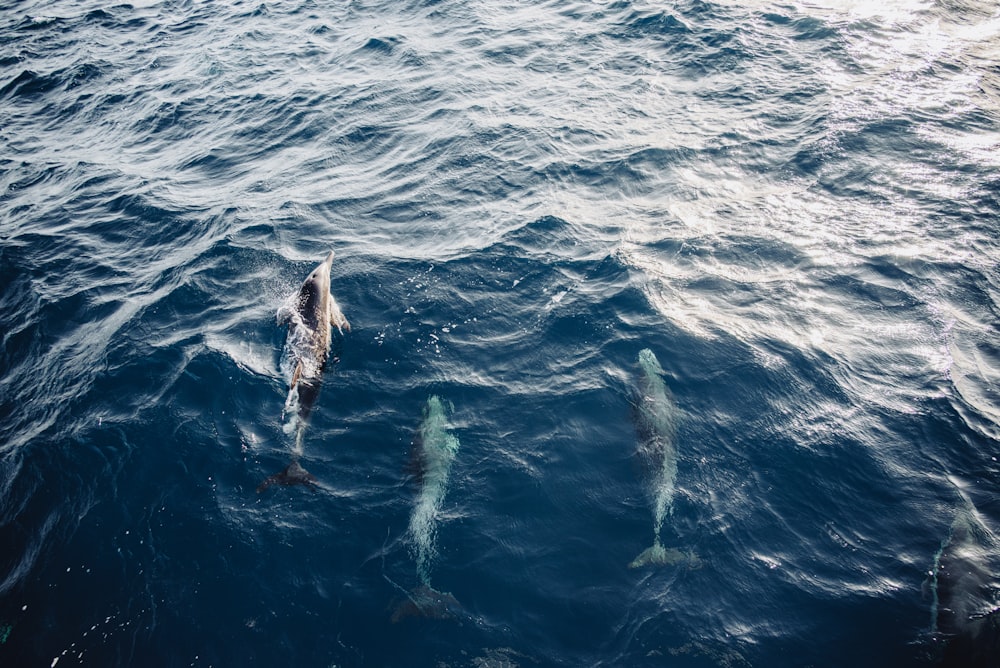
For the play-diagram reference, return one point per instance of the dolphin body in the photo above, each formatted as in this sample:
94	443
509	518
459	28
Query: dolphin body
966	620
435	450
311	315
657	418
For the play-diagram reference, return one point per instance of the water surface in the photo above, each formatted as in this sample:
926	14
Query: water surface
794	206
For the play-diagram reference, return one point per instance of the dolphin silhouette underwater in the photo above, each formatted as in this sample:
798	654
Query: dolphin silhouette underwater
657	418
965	616
435	450
310	315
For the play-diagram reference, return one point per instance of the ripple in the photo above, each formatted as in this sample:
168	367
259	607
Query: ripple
794	207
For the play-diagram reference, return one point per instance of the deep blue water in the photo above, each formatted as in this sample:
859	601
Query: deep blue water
794	206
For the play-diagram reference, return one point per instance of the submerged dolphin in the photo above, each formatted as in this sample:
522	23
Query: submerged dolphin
966	620
657	418
310	316
435	450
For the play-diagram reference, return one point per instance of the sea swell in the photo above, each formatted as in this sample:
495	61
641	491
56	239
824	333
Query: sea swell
794	206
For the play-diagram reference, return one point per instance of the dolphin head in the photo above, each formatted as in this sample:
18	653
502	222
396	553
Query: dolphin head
648	361
321	274
316	290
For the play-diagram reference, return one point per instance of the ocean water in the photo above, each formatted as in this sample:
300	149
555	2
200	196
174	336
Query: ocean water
795	206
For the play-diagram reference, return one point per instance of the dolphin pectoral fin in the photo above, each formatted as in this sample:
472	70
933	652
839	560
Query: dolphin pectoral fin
293	474
338	320
657	555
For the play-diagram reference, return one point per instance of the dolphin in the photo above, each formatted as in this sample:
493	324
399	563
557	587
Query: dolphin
435	450
311	314
965	617
657	418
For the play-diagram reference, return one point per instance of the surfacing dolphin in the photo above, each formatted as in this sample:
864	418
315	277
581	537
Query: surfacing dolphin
435	450
657	418
310	316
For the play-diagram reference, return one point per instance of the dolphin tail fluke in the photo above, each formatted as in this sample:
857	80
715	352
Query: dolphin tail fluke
293	474
428	603
657	555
